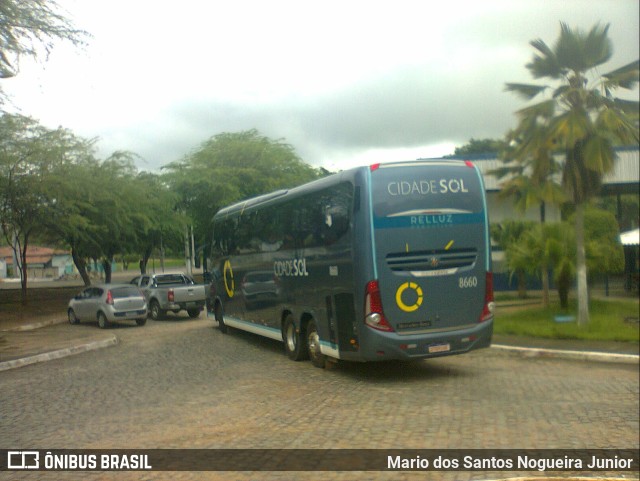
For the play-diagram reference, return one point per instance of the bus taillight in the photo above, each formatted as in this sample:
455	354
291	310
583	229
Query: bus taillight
489	304
374	316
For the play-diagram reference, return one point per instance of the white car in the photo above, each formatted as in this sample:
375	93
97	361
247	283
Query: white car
108	303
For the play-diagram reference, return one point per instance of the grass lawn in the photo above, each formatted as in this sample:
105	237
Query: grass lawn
611	320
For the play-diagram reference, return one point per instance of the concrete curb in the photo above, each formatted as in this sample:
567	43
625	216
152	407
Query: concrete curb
35	325
572	355
60	353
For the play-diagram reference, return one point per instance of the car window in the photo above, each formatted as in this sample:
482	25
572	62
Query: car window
96	292
135	280
169	279
121	292
145	281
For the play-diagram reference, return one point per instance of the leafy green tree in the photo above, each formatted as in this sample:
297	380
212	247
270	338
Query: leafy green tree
506	234
167	223
230	167
108	209
624	207
530	176
550	244
29	28
554	245
582	119
30	157
605	254
478	147
72	223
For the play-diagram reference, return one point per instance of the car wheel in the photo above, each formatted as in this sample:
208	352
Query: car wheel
313	342
155	311
73	319
193	313
103	323
141	322
294	342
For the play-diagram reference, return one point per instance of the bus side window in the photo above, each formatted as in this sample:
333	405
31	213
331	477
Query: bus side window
269	227
337	213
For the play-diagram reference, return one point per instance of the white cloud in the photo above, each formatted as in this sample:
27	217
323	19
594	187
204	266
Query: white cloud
343	82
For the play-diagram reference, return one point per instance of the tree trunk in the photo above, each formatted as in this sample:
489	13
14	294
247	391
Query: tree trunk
545	285
581	268
81	265
24	272
106	265
545	268
145	259
522	284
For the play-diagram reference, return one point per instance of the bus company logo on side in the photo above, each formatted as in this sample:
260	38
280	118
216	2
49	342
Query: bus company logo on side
424	187
410	301
291	268
229	283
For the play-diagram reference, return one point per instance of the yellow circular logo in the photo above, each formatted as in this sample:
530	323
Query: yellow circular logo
418	293
229	283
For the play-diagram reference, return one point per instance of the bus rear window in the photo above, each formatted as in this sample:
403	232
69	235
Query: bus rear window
423	189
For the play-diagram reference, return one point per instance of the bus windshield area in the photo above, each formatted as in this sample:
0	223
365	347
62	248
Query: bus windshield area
417	190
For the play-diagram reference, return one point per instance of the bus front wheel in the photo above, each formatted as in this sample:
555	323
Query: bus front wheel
294	343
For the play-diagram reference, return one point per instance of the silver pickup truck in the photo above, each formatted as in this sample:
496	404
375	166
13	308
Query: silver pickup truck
171	292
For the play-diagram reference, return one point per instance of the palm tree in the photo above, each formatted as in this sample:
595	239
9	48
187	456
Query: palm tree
547	245
509	233
531	173
582	120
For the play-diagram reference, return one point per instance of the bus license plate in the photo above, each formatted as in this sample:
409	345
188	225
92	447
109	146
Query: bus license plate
439	348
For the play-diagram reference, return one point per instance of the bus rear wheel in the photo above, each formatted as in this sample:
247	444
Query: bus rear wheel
294	343
313	342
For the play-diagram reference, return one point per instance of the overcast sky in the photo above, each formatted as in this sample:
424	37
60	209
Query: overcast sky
345	82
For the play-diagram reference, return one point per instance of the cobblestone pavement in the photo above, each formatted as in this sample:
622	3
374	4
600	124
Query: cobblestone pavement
183	384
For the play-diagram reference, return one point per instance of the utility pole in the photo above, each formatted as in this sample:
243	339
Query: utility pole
193	251
187	257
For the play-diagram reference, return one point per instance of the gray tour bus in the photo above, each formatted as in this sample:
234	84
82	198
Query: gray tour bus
388	261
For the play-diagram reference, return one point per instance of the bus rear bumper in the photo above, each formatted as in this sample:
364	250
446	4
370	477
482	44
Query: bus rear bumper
391	346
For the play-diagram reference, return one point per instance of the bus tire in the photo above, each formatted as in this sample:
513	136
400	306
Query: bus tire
313	343
294	343
220	319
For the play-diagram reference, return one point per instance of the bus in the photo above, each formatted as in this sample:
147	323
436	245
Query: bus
390	261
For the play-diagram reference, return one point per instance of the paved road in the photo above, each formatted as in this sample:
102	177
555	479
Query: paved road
183	384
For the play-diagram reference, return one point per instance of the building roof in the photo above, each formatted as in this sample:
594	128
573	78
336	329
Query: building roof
35	254
624	178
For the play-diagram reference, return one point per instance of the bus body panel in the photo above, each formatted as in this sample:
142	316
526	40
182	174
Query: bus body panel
299	262
431	255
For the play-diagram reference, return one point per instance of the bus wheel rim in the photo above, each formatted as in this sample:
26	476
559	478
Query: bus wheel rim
291	337
314	345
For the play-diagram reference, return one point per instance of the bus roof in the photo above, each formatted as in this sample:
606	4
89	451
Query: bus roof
242	205
338	176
